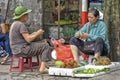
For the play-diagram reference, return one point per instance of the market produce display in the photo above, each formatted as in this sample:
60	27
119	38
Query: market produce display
63	22
60	8
70	64
103	61
66	64
85	71
91	71
59	63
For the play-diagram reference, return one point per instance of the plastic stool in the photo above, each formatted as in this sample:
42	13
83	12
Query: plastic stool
24	63
37	62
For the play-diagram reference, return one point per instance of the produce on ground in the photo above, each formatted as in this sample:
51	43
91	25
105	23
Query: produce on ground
59	63
91	71
103	61
66	64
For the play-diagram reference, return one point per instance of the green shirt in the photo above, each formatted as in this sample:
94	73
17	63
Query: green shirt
99	30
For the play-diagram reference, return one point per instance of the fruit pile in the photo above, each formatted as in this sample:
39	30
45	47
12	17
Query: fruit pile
66	64
103	61
70	64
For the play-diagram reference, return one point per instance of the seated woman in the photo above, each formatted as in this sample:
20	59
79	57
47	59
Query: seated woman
21	41
95	30
4	37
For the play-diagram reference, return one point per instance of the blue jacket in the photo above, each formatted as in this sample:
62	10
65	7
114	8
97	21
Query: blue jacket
99	30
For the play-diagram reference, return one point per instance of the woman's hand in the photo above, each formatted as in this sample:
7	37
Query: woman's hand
94	60
84	36
41	31
62	40
79	34
30	37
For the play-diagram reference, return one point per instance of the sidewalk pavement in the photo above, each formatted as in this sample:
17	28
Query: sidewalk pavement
5	74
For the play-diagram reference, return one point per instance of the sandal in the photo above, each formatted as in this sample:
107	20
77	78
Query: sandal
4	60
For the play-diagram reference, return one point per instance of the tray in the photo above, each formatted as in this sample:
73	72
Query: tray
70	72
61	71
113	66
89	75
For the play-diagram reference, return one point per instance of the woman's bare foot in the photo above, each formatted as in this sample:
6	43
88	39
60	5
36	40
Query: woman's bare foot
43	68
4	59
44	71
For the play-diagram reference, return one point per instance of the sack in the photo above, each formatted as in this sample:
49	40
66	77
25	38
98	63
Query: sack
63	51
89	47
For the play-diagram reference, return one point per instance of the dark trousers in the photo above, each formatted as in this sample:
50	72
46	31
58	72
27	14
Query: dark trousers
5	39
100	46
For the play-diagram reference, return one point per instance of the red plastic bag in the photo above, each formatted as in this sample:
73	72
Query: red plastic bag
85	57
63	51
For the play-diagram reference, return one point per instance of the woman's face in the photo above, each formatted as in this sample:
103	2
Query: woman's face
92	19
26	17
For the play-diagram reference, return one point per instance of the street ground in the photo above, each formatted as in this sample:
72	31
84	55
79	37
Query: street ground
5	74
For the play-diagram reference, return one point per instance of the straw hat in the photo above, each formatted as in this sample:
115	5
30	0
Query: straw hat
20	11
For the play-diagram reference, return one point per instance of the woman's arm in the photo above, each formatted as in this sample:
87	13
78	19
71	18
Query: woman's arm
3	28
30	37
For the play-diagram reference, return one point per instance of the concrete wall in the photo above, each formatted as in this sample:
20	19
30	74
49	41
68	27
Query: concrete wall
3	7
35	17
112	19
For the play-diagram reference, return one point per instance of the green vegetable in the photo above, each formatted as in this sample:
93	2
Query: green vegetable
91	71
59	63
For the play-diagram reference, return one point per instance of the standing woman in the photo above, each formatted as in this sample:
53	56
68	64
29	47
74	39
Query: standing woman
21	41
